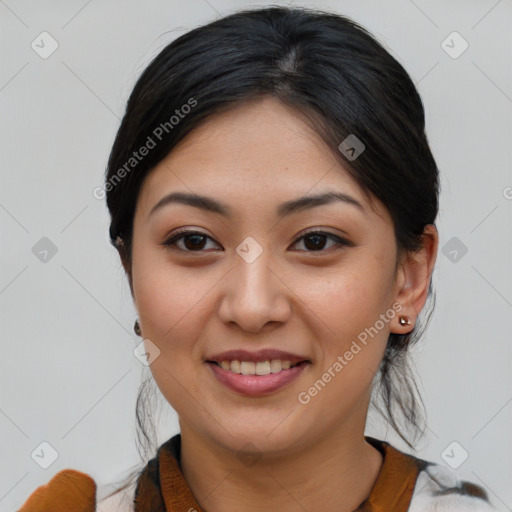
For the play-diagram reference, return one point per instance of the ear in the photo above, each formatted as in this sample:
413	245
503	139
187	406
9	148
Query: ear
413	279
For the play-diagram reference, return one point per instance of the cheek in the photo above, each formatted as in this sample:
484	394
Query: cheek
348	300
351	347
170	306
172	302
167	304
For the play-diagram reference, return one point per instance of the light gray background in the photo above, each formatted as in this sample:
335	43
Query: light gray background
68	373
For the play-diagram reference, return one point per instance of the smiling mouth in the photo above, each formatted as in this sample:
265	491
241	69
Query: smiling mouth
257	368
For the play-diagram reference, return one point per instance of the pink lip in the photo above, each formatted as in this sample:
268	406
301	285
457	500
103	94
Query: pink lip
254	385
259	355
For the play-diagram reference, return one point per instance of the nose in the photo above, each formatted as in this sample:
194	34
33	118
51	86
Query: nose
255	296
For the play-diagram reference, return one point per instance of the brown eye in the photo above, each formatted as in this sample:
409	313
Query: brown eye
193	241
315	241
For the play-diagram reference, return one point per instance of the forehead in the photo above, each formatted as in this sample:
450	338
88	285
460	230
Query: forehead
259	152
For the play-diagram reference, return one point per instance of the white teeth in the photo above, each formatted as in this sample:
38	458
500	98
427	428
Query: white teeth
276	366
263	368
258	368
247	368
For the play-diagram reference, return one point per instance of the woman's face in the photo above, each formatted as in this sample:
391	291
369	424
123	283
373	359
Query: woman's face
252	280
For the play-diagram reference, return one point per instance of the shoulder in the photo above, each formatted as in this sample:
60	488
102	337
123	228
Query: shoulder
67	490
121	501
436	488
74	490
440	489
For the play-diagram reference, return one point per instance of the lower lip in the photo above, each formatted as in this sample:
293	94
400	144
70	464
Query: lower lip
255	385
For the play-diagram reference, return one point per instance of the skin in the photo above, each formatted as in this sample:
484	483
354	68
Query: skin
292	297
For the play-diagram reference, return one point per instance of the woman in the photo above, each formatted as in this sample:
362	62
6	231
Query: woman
273	200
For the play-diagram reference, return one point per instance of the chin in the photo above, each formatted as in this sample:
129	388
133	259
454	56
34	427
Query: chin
258	438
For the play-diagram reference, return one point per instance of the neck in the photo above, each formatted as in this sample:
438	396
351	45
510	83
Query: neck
337	472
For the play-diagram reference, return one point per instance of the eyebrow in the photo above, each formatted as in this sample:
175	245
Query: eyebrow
283	210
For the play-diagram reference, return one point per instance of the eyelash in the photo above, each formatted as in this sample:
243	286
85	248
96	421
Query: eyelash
340	242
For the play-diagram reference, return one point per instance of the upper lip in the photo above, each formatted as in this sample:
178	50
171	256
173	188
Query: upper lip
259	355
